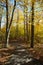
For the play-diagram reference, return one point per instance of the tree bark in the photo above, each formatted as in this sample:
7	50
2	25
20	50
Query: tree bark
24	24
32	27
8	39
6	22
27	24
0	22
8	28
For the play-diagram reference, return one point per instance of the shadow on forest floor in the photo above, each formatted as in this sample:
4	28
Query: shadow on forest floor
21	55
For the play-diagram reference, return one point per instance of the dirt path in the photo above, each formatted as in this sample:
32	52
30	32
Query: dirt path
22	51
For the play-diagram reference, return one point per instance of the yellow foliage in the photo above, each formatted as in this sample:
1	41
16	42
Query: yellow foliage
18	13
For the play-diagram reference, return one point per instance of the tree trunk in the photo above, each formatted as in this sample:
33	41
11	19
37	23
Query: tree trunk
32	27
0	22
8	38
6	23
24	24
26	19
29	29
8	28
0	28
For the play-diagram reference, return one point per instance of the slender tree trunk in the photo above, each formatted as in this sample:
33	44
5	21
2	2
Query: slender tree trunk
6	22
24	28
8	39
32	27
27	24
26	21
1	12
29	28
24	24
0	28
0	23
8	28
10	24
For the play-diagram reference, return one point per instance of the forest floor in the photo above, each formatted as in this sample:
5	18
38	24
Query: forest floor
6	53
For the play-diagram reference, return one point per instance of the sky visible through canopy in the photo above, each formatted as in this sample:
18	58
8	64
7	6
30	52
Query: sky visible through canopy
36	8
